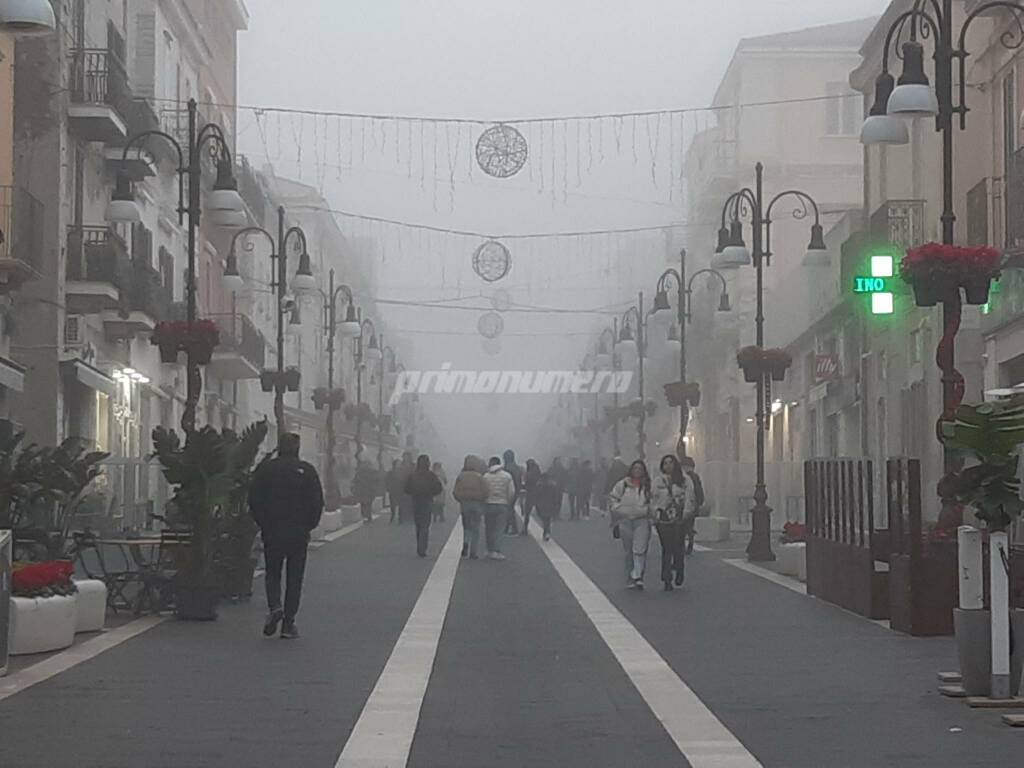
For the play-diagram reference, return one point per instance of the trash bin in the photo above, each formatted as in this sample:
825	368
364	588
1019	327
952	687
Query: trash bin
6	553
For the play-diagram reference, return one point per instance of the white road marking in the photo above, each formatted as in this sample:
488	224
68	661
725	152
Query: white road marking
65	660
700	736
383	735
794	585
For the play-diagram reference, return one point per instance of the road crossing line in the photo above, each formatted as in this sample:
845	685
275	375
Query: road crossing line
701	737
383	735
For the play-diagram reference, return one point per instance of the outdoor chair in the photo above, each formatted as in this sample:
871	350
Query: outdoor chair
157	577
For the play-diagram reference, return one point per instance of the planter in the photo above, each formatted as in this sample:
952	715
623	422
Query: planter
90	606
236	579
42	624
196	602
777	370
976	290
202	355
751	374
928	293
168	352
974	649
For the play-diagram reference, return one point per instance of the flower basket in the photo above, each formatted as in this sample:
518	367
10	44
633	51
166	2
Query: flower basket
776	362
751	361
168	352
936	272
680	393
199	339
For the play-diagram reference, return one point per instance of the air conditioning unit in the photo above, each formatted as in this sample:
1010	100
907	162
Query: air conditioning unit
74	331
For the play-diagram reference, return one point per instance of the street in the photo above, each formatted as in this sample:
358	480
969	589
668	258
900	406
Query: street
528	671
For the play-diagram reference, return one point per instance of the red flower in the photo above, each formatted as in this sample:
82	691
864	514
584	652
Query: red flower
935	260
31	579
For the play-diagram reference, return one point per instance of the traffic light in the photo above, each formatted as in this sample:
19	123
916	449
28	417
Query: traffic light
879	284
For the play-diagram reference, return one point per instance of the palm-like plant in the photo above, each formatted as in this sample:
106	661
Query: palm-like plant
989	434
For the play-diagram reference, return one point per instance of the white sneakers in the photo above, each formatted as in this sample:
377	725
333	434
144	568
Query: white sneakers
495	556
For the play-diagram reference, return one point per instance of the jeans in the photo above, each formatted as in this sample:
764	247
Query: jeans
421	514
393	506
573	511
636	538
367	509
529	504
673	545
511	524
494	516
471	513
291	556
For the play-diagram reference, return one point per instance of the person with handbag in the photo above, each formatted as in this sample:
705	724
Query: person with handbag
673	501
631	520
470	492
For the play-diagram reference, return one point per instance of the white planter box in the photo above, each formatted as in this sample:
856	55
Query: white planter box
712	529
792	559
331	521
90	606
350	515
41	625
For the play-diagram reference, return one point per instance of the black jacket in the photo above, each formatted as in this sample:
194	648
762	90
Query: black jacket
423	486
286	499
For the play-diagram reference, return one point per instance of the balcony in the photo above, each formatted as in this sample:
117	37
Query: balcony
21	237
141	163
242	351
101	102
98	270
899	223
145	302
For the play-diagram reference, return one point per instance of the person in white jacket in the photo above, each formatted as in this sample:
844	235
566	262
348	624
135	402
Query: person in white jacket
501	492
631	517
674	504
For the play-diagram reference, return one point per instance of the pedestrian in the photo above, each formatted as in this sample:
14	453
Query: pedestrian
286	500
364	488
557	472
673	502
422	487
501	494
511	525
699	509
584	489
438	470
549	499
572	477
405	470
617	471
631	520
530	480
601	484
393	485
471	493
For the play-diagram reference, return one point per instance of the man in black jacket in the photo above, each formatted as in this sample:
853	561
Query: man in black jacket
422	487
286	501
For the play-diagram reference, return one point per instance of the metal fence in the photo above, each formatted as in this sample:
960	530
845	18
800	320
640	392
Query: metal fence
21	225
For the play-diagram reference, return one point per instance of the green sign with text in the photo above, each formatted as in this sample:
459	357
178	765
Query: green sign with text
878	284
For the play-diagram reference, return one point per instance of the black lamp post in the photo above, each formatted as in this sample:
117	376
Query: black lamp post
685	316
280	381
606	350
371	352
385	370
732	253
640	340
224	203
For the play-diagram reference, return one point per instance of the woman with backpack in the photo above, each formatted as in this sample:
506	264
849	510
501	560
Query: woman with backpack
631	518
672	500
548	499
471	493
422	487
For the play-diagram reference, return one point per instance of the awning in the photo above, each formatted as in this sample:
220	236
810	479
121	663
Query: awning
12	375
91	377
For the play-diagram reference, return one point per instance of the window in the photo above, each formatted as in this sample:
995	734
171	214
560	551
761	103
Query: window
1009	105
915	350
843	110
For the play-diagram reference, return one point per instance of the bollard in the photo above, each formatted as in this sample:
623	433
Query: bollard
972	574
1000	590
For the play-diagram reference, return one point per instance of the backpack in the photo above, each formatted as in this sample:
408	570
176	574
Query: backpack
698	489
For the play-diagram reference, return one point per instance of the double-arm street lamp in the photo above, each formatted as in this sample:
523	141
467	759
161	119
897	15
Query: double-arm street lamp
628	342
388	367
608	358
365	352
224	204
913	97
303	283
685	316
27	18
732	253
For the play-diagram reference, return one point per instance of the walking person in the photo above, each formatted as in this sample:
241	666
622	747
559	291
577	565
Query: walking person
530	480
601	484
439	502
549	499
516	472
584	489
690	469
673	502
501	493
364	488
572	478
405	470
631	520
422	487
286	500
393	486
471	493
557	472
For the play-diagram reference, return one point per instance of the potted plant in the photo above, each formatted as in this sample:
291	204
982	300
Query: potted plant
751	361
174	336
988	435
936	272
776	362
680	393
210	475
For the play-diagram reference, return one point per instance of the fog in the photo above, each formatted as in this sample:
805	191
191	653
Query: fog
492	62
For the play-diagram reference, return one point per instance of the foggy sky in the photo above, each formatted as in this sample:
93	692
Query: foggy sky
500	61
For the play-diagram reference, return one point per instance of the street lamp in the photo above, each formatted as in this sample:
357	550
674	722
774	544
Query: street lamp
27	18
608	358
685	315
124	209
280	380
364	352
388	369
629	343
751	202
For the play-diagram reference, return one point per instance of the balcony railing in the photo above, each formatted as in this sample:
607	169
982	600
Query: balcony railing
239	334
1014	191
98	76
148	293
21	226
899	223
98	255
